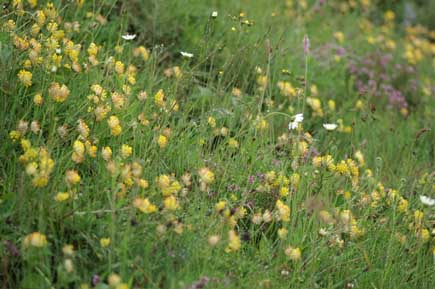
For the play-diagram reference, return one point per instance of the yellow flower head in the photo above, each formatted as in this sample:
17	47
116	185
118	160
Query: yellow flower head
105	242
35	239
25	77
293	253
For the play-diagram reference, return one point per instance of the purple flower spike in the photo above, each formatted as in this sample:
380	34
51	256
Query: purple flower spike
306	44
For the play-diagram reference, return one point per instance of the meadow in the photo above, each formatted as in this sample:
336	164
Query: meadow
217	144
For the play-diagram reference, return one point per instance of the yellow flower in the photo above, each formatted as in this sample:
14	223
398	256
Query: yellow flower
162	141
38	99
122	286
389	16
293	253
283	211
236	92
206	175
114	280
211	121
171	203
31	168
220	206
233	143
339	36
326	217
141	51
119	67
68	250
126	151
106	153
60	197
331	105
282	233
105	242
159	98
403	205
213	240
58	92
25	77
72	177
144	205
342	168
79	147
35	239
234	242
424	235
93	49
115	127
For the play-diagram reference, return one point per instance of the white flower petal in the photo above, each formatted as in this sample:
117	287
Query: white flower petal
186	54
214	14
293	125
299	117
330	126
427	201
129	36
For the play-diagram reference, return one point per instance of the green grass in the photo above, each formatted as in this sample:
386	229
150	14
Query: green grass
171	249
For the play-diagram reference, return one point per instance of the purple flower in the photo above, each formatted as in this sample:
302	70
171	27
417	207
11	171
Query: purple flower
95	280
306	44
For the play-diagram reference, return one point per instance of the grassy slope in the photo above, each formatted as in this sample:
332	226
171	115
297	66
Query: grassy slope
137	253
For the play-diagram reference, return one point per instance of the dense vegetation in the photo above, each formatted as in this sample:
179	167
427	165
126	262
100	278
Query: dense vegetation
217	144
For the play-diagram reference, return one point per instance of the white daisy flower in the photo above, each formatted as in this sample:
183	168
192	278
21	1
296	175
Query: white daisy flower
186	54
129	36
427	201
330	126
214	14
